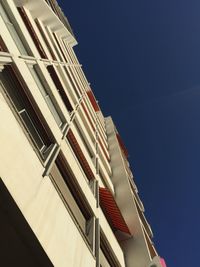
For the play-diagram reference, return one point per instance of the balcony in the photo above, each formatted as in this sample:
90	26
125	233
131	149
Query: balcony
135	194
135	245
144	221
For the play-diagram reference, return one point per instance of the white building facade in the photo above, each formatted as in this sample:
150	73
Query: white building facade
68	197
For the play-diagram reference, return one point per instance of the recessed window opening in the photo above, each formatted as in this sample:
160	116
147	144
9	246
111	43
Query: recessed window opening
32	32
50	34
14	31
53	106
88	149
74	198
3	47
72	83
106	250
14	89
45	39
80	155
59	46
60	88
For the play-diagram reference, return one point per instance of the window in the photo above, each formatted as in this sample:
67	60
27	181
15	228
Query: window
102	178
67	51
54	44
32	32
105	152
74	199
93	100
73	82
102	137
68	87
88	116
13	32
80	156
58	43
3	47
81	134
45	39
107	258
48	98
60	88
15	90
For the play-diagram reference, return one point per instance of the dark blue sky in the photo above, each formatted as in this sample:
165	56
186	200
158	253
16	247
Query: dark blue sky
143	61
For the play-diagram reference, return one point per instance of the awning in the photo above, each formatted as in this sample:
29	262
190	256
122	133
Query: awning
112	211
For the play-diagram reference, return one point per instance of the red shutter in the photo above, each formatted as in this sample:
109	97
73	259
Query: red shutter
112	211
60	88
79	154
93	100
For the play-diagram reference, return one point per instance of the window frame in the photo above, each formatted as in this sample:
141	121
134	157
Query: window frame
45	92
58	84
15	33
32	32
43	34
3	47
107	251
79	200
29	107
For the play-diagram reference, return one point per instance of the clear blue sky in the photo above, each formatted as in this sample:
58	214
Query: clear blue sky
143	61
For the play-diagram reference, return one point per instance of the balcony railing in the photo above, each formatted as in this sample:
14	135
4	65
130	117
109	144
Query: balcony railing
144	221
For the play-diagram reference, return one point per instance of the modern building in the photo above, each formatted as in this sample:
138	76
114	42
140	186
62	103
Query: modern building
67	193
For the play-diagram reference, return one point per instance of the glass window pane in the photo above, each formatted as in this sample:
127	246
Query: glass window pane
13	94
37	80
3	14
31	128
16	38
53	110
47	98
15	88
12	31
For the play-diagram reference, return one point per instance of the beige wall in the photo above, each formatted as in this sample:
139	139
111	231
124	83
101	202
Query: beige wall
37	198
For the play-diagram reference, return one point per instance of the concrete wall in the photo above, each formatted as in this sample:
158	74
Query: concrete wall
21	171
